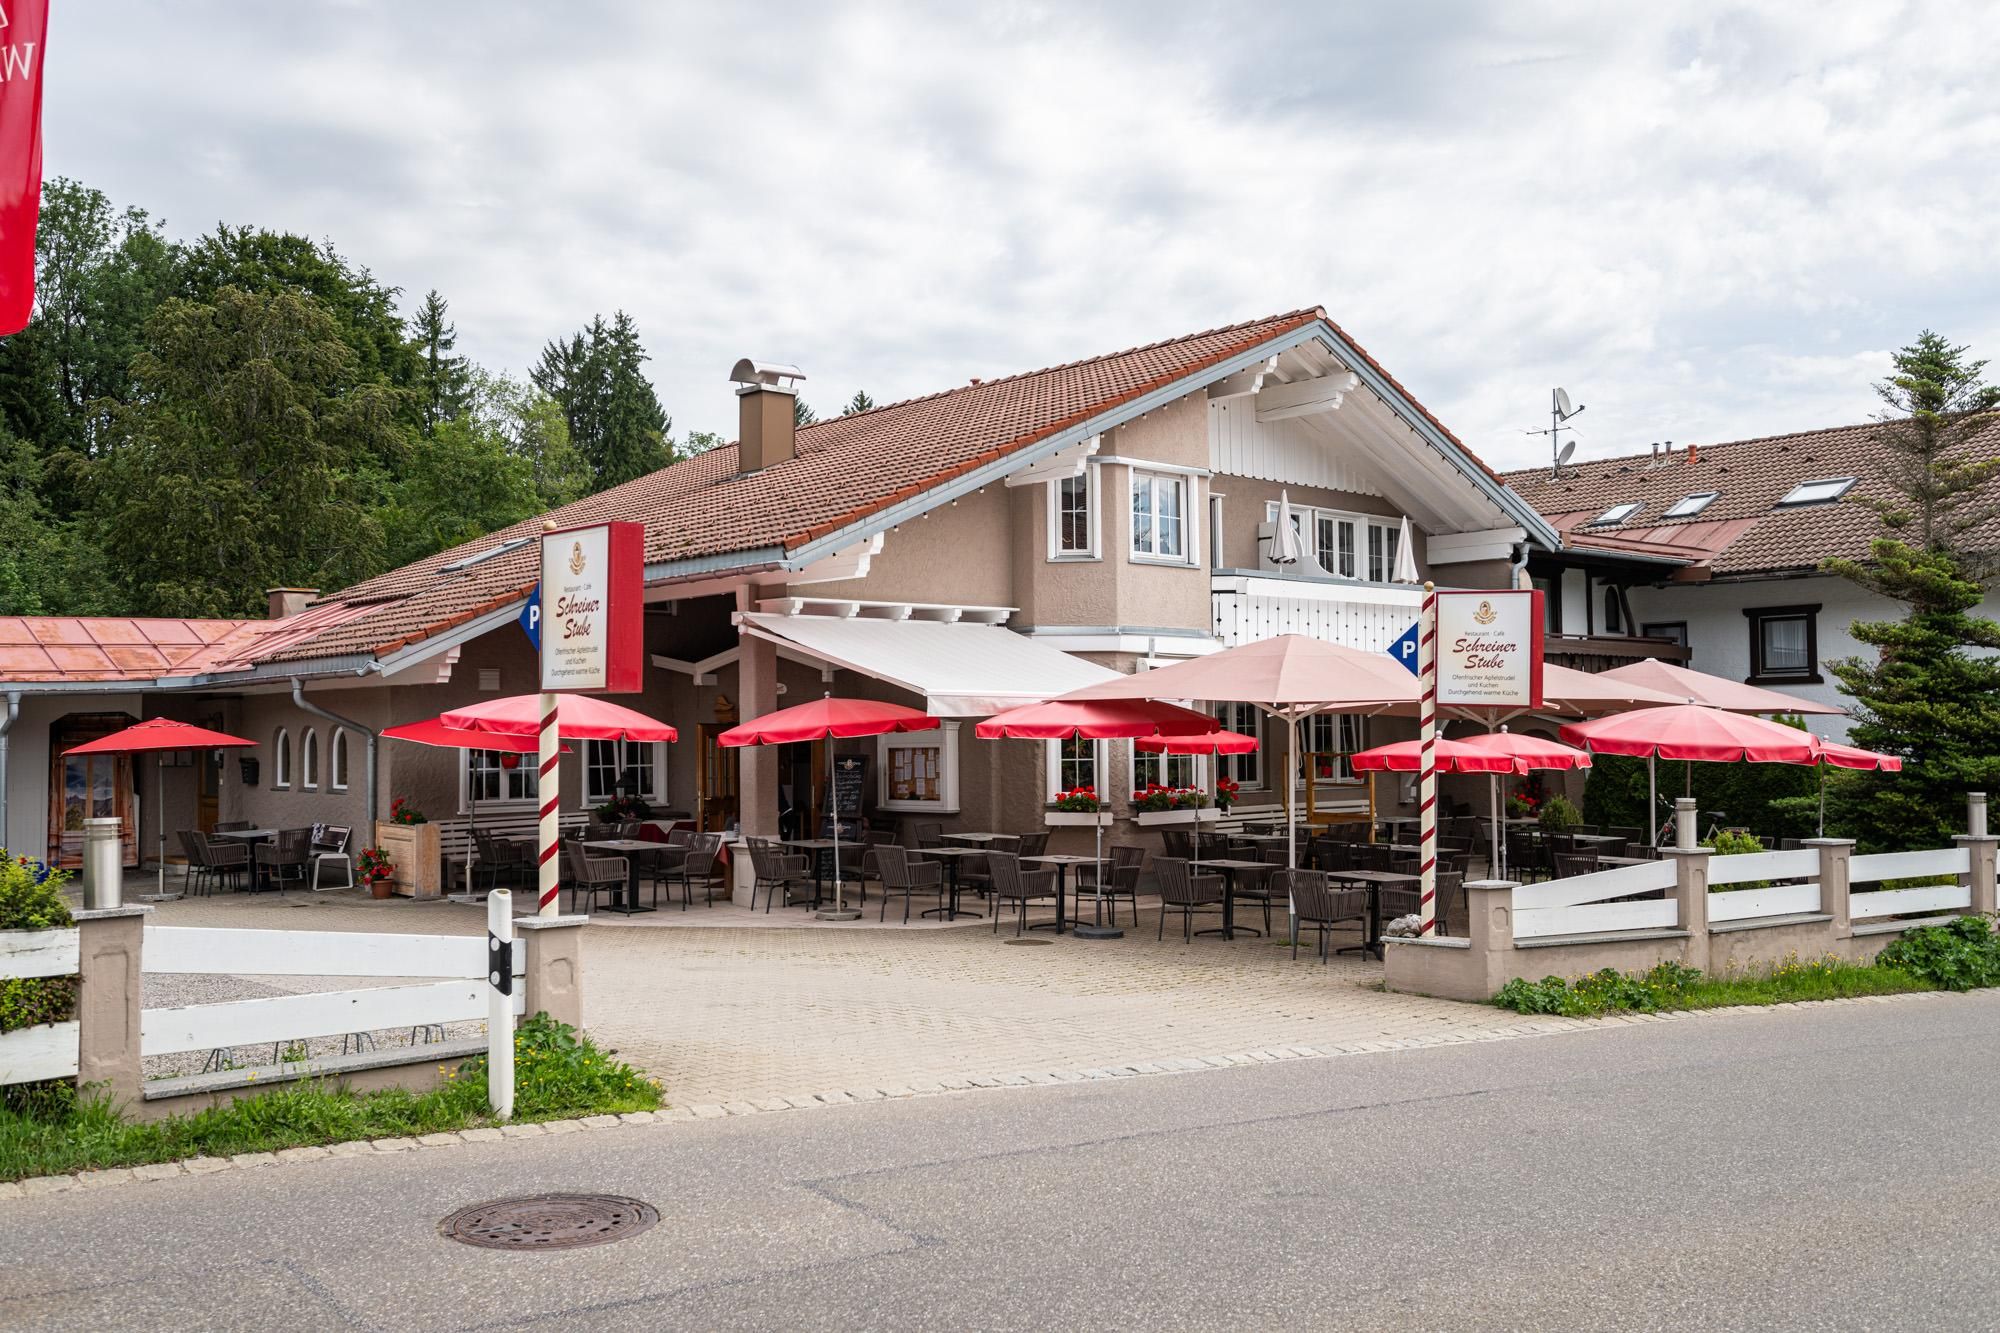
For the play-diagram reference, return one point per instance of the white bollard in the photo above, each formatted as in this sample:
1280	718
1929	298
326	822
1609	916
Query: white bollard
1685	819
500	1003
1975	813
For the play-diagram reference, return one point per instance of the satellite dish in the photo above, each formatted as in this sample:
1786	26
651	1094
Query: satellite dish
1568	452
1562	402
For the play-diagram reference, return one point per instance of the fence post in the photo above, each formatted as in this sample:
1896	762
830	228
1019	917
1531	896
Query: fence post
555	967
1981	847
1691	894
1835	855
109	940
500	1003
1489	925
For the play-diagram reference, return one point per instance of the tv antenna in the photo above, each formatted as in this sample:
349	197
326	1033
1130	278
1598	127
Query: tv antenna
1560	450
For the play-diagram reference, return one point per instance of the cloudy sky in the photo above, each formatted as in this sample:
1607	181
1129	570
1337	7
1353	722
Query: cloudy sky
1707	221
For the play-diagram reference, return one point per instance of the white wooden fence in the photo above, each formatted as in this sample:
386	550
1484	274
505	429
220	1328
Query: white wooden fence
1772	900
50	1050
1578	905
1909	865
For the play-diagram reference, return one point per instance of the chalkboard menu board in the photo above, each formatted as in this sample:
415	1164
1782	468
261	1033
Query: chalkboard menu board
850	777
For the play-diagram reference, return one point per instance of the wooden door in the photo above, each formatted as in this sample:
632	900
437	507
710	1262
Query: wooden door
93	786
716	790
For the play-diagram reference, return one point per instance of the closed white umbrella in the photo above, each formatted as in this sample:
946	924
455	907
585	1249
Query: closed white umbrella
1406	557
1286	548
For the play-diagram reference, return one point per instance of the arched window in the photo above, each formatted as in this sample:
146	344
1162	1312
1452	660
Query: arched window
281	759
336	760
309	759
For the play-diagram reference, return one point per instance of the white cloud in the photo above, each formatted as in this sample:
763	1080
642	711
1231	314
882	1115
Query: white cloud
1707	221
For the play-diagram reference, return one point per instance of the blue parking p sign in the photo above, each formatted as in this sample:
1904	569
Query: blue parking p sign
531	618
1404	650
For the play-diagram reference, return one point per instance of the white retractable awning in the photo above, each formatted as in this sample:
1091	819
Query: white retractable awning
962	670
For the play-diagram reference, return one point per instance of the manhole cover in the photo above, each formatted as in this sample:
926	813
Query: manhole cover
548	1221
1028	939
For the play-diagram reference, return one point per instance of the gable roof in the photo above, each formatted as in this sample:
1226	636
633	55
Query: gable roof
1744	532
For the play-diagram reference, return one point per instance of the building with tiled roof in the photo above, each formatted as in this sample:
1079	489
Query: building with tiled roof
1719	547
988	544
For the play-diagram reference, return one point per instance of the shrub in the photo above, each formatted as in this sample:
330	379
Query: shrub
1558	812
1961	955
1600	992
31	899
558	1072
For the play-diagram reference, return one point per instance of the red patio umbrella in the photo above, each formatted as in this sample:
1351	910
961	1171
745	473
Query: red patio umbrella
829	719
1451	757
161	734
1215	742
1692	732
579	717
433	732
1849	756
1528	753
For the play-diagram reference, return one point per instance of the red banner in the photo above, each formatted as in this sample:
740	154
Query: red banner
24	28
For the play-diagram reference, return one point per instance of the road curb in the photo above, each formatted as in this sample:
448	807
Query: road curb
125	1177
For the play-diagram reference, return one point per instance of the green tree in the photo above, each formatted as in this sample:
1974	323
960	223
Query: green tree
254	453
614	416
444	381
858	404
1932	693
803	414
533	428
461	483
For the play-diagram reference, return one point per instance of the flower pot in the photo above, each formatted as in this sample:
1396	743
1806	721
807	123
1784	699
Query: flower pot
1081	818
1207	814
380	888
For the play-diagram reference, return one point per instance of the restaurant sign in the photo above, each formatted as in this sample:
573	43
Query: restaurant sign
1489	649
593	606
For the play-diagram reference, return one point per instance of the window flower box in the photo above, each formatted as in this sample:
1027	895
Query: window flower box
1080	818
1204	815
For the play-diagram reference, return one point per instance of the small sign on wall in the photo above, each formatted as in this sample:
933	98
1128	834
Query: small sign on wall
592	619
1489	649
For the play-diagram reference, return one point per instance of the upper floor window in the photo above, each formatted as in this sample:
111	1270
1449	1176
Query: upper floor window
1330	739
309	759
623	768
1073	516
1690	505
1340	542
1159	516
1817	492
1382	543
1617	513
1334	544
1784	644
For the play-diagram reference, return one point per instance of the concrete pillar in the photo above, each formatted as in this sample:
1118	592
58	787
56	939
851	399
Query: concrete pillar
107	1002
1489	924
554	966
1835	856
1691	895
757	686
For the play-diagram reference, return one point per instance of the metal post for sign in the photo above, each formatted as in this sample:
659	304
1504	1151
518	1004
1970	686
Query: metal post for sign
500	1002
548	781
1427	768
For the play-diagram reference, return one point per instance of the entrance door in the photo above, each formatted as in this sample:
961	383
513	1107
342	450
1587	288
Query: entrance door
87	786
716	798
208	789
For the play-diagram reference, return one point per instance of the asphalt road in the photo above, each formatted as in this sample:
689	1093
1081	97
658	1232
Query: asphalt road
1817	1168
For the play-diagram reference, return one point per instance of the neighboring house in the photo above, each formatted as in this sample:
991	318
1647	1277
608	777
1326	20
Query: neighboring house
987	545
1719	549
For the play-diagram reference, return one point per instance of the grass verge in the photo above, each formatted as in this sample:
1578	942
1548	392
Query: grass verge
558	1073
1671	986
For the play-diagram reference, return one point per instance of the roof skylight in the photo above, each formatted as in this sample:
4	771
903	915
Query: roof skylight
1690	505
1616	514
1817	492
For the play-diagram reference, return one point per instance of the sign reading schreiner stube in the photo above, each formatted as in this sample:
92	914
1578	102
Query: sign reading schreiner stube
1489	649
593	608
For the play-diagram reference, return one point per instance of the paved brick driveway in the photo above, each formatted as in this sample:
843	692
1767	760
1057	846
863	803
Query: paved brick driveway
751	1013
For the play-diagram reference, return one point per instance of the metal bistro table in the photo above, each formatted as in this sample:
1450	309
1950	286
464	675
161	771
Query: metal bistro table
813	847
1373	881
951	856
1230	868
978	839
1062	861
250	837
629	848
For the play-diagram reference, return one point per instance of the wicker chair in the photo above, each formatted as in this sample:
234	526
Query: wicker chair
233	825
699	866
1121	883
1186	893
976	872
1258	886
1450	899
286	858
1033	844
591	875
1317	904
905	878
774	871
1571	864
928	833
209	861
1013	884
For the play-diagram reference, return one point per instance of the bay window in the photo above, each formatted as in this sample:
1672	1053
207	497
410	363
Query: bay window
1159	517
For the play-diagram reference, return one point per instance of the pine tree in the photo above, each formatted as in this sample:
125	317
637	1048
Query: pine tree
444	381
859	403
1932	694
802	414
614	417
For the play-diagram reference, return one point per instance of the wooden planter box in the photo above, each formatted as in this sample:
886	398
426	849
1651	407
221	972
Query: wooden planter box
413	850
1208	814
1078	818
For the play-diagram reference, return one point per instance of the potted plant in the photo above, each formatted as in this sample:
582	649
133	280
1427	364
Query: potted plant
402	812
621	808
376	871
1156	804
409	842
1078	805
1226	790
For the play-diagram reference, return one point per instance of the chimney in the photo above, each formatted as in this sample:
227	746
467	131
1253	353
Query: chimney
766	401
282	602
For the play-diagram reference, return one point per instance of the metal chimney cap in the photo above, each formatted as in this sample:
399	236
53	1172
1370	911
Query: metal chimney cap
750	371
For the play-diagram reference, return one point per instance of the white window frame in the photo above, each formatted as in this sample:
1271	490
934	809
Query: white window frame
947	802
522	777
1153	479
1052	780
1343	773
309	759
595	795
281	761
1309	517
336	760
1248	720
1616	514
1215	508
1197	768
1093	512
1691	504
1792	499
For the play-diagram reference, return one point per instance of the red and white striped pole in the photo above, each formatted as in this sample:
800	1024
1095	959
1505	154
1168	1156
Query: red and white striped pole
1427	767
548	784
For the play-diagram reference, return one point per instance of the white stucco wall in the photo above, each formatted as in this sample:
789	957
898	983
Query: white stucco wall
1719	632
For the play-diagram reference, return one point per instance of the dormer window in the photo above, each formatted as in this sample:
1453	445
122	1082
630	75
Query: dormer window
1816	492
1690	505
1616	514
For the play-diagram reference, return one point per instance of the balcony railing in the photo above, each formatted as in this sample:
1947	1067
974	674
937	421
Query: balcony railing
1601	652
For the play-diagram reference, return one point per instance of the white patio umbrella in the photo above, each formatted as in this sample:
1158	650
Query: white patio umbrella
1406	557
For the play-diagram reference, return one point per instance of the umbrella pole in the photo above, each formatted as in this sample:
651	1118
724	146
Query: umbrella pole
159	894
1652	802
839	911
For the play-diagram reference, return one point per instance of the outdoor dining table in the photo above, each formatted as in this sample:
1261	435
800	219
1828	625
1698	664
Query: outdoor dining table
952	857
979	838
629	848
250	837
1615	861
1373	881
813	847
1062	861
1230	869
